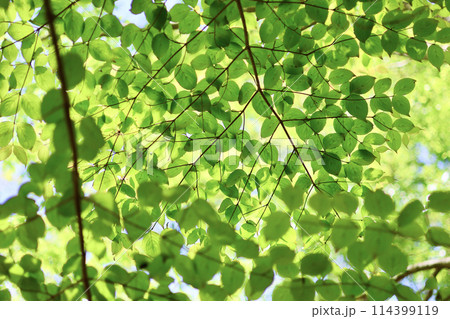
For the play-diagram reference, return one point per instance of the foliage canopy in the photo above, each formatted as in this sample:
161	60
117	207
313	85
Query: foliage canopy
228	148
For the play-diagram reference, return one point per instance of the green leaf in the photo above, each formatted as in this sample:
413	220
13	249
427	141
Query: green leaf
138	6
321	203
328	289
378	236
425	27
310	224
276	225
394	140
438	236
358	255
171	242
439	201
186	76
281	255
345	202
178	12
300	289
204	211
380	288
378	203
443	35
157	16
246	248
30	264
353	172
100	50
290	39
403	125
7	236
143	63
362	84
315	264
344	233
292	196
404	86
106	207
20	154
73	25
149	194
405	293
381	102
341	76
356	105
401	104
222	37
35	227
362	157
212	293
8	105
393	261
396	19
19	31
137	285
317	10
26	135
332	140
207	263
363	28
412	230
189	23
233	276
409	213
269	126
416	48
390	41
261	277
353	283
151	244
268	31
111	25
160	45
436	56
73	69
93	138
382	85
5	295
272	77
383	121
246	91
235	177
6	133
332	163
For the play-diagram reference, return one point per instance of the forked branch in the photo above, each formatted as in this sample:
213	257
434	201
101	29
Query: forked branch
260	90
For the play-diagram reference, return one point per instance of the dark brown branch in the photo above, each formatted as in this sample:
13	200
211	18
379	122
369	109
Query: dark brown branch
437	264
73	145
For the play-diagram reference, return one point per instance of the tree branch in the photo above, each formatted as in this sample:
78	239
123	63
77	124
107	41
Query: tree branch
260	90
438	264
73	145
